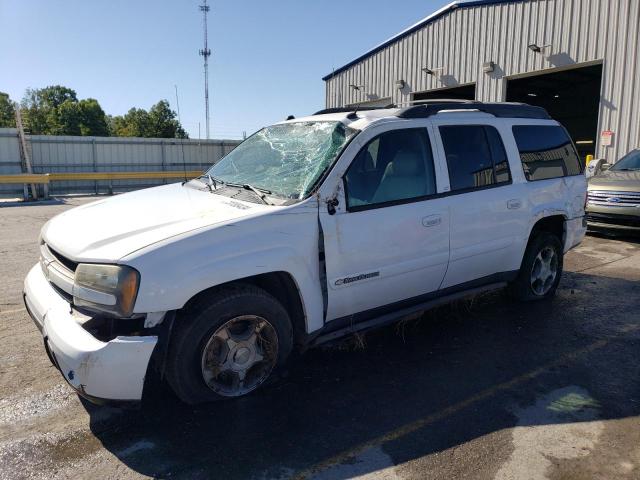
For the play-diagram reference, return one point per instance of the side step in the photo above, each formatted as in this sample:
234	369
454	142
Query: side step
392	317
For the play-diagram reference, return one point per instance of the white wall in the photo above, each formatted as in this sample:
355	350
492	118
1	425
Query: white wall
52	154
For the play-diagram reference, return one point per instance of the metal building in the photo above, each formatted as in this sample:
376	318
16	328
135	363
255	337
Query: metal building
576	58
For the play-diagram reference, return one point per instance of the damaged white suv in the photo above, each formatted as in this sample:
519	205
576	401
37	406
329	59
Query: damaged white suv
309	230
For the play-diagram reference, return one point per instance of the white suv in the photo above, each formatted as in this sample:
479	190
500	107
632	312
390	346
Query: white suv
311	229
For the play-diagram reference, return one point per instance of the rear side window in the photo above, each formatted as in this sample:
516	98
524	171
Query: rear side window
546	152
476	157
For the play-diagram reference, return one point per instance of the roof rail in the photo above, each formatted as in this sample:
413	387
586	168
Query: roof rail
352	108
437	100
504	109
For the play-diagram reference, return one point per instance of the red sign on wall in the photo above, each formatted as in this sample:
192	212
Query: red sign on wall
606	138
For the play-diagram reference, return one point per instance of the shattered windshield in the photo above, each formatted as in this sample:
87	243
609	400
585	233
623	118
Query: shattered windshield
286	159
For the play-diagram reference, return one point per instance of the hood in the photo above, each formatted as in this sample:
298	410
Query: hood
621	181
109	229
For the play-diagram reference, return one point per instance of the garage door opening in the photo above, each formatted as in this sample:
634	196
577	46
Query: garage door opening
464	92
572	97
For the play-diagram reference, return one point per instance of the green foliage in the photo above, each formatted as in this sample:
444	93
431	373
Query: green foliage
56	110
40	110
94	120
7	112
56	95
159	122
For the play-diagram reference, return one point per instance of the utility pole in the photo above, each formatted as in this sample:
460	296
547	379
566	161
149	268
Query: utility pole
177	103
206	52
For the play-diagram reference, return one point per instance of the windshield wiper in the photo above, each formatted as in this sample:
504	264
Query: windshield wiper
260	192
213	181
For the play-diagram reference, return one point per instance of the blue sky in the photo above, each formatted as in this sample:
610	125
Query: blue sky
268	59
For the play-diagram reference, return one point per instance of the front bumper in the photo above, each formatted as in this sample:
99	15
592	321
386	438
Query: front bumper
613	220
99	371
622	217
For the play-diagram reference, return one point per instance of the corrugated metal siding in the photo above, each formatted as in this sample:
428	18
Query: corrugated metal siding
9	158
579	31
52	154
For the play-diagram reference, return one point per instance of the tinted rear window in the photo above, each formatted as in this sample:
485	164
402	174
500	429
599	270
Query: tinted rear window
475	156
546	152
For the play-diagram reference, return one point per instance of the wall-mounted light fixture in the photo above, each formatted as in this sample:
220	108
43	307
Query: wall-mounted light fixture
432	71
357	88
488	67
535	48
401	84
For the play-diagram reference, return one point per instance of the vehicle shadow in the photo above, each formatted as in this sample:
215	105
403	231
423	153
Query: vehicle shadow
32	203
628	237
412	389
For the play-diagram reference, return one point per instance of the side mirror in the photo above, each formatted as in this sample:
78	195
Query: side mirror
605	166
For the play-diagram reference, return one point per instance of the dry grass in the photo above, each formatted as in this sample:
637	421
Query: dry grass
457	310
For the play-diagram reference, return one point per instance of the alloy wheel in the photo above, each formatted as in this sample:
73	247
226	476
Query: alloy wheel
544	271
240	355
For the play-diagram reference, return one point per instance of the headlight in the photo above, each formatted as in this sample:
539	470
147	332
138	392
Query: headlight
108	288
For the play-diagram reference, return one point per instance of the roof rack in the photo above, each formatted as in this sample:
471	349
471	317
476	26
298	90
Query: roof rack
436	100
352	108
505	109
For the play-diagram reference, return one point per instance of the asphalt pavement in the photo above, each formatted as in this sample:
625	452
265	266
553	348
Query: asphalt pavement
483	389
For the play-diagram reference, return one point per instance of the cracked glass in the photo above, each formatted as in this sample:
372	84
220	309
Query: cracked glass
286	159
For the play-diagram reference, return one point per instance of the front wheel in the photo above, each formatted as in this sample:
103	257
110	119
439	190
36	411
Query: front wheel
541	269
228	344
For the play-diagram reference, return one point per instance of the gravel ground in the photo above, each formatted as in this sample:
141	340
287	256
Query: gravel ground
482	389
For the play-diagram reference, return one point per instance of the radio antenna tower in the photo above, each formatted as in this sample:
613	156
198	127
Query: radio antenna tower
206	52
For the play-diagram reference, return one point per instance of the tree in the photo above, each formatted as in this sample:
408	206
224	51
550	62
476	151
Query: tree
56	95
64	119
55	110
164	123
7	112
135	123
39	108
93	118
159	122
34	112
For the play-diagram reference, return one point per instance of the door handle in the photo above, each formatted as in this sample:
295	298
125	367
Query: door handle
514	204
431	221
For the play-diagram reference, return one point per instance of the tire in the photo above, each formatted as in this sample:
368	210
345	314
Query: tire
235	329
543	262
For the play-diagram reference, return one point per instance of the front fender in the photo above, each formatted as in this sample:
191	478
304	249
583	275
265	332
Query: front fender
174	272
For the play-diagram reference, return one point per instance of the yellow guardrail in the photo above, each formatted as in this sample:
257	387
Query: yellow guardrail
52	177
120	175
25	178
45	178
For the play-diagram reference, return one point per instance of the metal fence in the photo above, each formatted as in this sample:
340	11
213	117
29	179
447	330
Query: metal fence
56	154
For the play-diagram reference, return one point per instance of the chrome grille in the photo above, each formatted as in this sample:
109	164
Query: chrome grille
59	274
613	199
70	264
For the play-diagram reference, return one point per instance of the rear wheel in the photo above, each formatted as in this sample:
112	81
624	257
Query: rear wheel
228	344
541	269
